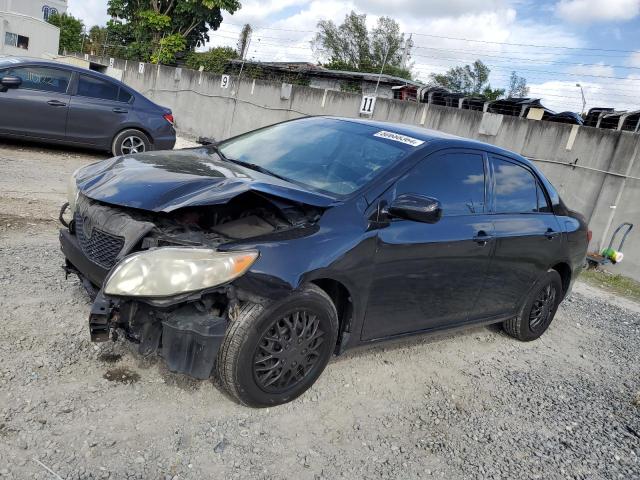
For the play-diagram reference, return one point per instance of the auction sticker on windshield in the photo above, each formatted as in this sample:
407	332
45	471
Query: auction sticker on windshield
396	137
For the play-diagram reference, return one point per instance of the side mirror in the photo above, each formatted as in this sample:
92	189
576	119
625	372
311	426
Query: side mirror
11	82
418	208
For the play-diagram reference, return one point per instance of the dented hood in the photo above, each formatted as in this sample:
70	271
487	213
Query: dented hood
168	180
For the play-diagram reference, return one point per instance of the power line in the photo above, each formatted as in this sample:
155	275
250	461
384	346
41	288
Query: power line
545	73
591	75
532	45
499	67
538	71
489	54
556	62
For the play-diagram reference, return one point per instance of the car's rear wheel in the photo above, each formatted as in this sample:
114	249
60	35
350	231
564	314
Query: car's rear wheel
273	353
538	309
130	141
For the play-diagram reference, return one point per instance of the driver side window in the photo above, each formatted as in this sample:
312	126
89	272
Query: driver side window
456	179
44	79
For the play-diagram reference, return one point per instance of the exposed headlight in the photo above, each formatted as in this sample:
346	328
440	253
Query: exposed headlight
72	191
171	271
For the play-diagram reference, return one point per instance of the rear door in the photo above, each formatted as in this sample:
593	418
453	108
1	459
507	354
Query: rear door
428	276
98	108
527	236
39	106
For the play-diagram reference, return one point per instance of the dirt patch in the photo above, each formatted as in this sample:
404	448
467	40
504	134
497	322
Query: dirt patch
121	375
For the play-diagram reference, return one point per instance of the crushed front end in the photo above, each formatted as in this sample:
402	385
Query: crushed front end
159	278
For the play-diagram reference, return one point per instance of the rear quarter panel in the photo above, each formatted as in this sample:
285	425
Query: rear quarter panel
575	230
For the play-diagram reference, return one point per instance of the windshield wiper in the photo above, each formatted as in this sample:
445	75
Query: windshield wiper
252	166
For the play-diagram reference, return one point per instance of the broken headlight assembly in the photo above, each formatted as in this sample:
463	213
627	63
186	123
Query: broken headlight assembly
72	191
170	271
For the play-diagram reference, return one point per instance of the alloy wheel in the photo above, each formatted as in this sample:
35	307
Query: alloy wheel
288	351
542	308
132	144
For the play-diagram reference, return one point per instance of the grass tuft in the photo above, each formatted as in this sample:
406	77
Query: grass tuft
616	283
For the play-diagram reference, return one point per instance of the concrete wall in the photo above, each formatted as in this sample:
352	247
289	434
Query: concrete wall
43	37
202	108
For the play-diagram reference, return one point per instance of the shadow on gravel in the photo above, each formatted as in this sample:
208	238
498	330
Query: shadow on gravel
423	339
183	382
109	357
54	148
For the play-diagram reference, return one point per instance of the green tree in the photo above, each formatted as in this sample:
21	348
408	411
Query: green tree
215	60
470	80
95	41
350	46
158	30
70	31
517	86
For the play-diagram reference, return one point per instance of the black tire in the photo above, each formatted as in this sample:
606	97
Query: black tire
130	141
260	362
538	309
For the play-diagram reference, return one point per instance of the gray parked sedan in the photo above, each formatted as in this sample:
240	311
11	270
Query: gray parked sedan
54	102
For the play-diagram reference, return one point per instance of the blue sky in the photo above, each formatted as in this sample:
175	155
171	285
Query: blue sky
553	43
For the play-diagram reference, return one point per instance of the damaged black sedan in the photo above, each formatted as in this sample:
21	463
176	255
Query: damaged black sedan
261	256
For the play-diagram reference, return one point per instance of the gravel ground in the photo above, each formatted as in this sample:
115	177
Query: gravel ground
474	404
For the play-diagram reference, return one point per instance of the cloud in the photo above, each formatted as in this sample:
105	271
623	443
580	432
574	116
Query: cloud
562	95
91	12
634	60
433	8
597	11
600	70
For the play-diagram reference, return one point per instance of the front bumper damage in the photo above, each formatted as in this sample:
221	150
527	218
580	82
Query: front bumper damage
187	335
186	331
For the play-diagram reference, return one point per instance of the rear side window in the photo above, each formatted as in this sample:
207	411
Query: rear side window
96	88
124	96
42	78
457	180
516	189
543	205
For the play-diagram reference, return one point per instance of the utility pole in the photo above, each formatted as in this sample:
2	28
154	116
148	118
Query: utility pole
386	53
584	101
84	35
235	94
408	44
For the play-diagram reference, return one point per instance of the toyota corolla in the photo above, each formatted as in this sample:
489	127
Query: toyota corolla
260	257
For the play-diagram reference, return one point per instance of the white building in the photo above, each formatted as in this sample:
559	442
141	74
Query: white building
24	30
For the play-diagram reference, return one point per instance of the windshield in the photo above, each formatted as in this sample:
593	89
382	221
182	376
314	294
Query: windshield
325	154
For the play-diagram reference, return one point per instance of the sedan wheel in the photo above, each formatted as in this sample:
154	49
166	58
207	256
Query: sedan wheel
129	142
272	353
288	351
131	145
538	310
542	308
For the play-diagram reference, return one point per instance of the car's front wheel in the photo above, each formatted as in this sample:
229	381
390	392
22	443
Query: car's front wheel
273	353
538	309
130	141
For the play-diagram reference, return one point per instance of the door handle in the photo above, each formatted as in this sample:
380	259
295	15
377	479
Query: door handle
482	238
56	103
551	234
120	110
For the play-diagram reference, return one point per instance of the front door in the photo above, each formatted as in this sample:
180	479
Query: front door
427	276
38	107
527	237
